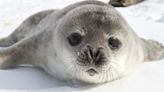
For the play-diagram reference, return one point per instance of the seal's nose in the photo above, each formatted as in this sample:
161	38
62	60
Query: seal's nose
96	56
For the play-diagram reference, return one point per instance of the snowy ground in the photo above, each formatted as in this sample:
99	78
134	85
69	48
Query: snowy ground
147	19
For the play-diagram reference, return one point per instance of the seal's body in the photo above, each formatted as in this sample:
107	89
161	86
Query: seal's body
124	3
88	42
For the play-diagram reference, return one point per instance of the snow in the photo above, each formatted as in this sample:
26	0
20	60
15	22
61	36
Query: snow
151	10
147	19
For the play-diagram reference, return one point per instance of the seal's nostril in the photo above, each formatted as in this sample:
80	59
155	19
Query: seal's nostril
100	57
91	56
98	52
89	51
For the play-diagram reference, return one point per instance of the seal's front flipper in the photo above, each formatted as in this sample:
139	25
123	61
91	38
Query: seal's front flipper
153	50
6	42
7	62
10	56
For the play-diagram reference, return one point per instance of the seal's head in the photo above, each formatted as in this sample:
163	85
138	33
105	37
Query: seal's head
95	45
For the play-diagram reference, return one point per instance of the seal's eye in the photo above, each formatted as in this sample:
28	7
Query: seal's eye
114	43
74	39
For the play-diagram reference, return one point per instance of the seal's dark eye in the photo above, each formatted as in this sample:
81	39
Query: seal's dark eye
74	39
114	43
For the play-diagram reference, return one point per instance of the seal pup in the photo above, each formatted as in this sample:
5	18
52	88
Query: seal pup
124	3
88	42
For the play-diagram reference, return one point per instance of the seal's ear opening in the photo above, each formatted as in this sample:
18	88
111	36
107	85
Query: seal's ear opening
153	50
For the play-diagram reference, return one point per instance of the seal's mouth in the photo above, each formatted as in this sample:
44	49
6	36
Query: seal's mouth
92	72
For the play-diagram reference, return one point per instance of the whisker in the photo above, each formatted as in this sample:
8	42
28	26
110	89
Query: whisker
111	74
69	57
116	73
